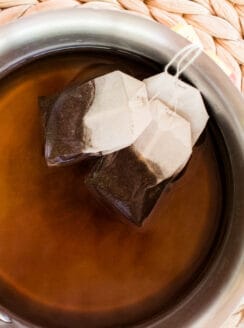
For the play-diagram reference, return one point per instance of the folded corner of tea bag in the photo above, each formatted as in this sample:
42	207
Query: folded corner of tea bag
118	114
166	144
181	97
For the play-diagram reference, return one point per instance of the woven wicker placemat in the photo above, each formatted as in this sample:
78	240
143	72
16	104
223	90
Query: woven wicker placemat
217	24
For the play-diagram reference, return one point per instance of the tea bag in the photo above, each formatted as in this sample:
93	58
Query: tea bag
98	117
129	180
178	95
62	116
165	145
118	115
132	179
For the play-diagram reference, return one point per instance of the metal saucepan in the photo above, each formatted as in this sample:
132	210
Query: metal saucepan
221	287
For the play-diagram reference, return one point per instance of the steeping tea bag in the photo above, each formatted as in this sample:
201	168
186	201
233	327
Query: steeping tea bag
165	145
118	115
132	179
178	95
98	117
129	180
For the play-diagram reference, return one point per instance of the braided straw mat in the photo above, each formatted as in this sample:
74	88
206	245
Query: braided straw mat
217	24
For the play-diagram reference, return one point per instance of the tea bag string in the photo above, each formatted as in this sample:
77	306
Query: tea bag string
185	57
198	51
183	54
189	54
193	50
180	53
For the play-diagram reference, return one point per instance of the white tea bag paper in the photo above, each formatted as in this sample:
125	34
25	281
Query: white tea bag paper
165	146
181	97
118	114
97	117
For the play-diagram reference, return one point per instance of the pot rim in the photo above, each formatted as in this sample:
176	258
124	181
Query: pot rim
217	293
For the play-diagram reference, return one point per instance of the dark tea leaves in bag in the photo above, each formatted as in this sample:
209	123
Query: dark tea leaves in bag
124	181
62	117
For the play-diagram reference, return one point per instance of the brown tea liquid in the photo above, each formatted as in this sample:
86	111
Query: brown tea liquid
65	261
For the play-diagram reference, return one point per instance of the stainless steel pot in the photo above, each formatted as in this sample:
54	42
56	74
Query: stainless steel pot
221	287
